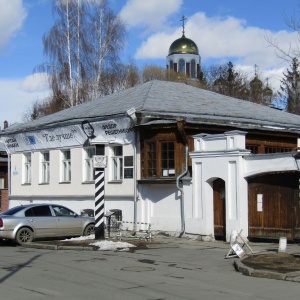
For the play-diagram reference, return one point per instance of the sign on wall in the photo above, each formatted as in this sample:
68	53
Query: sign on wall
99	161
118	130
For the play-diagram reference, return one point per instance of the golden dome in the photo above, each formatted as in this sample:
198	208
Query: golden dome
183	46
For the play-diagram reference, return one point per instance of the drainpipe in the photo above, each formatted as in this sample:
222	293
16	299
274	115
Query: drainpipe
135	185
180	126
131	114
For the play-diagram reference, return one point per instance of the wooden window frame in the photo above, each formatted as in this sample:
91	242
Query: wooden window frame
153	164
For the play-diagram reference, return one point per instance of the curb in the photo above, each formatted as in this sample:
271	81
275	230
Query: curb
57	247
291	276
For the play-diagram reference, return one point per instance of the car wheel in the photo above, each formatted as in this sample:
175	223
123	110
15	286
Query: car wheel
90	229
24	235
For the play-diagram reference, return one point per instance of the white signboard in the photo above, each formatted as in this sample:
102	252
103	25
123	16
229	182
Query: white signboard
117	130
238	250
259	202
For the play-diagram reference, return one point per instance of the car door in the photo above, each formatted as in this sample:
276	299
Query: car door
68	223
42	220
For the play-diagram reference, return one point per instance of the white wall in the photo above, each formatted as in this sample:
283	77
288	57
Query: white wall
77	194
160	205
225	156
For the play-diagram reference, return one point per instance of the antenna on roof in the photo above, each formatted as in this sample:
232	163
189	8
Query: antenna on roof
183	19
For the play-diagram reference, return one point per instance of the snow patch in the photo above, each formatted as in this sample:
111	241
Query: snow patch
105	245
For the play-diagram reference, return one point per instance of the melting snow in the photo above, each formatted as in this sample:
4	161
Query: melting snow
104	245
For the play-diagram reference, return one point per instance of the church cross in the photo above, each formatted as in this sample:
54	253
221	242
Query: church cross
255	69
182	20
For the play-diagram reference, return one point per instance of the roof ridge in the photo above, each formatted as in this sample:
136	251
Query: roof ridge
145	97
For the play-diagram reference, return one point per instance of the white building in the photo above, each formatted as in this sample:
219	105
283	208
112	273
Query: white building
185	160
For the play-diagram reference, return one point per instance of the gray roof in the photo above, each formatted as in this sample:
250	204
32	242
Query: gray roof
167	100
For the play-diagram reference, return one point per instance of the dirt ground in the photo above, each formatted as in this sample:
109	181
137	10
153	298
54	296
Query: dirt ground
277	262
139	243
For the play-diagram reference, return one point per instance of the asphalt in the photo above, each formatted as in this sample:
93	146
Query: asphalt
160	241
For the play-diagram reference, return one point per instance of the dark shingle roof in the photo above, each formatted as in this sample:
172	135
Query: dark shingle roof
167	100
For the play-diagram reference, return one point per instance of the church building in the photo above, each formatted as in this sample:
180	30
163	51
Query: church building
184	56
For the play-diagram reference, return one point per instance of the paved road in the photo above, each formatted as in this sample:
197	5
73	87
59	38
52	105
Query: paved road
169	271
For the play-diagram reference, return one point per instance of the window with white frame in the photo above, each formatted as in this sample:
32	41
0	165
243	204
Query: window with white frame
45	167
66	166
27	168
117	162
88	171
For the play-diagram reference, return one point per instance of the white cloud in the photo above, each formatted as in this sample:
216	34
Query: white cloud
220	38
151	14
18	95
35	83
12	16
225	39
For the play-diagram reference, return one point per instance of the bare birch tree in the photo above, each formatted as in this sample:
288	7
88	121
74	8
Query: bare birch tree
83	44
106	39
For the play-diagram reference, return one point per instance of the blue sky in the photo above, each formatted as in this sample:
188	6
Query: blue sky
224	30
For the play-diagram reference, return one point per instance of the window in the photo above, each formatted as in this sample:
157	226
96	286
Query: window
45	167
150	161
27	168
275	149
193	68
181	65
128	167
171	65
66	166
158	159
1	183
117	163
88	171
38	211
61	211
168	159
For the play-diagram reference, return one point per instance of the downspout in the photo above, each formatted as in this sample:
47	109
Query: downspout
180	126
131	114
135	185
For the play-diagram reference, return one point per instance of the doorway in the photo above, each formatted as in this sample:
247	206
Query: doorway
219	209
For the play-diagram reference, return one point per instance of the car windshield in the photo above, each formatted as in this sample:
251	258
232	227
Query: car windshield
12	211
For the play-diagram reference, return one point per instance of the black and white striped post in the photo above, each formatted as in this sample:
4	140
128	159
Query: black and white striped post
99	204
99	165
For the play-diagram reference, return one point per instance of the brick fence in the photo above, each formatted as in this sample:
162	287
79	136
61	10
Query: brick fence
3	200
